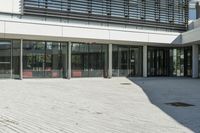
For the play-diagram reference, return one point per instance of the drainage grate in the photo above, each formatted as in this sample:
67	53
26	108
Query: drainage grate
125	83
180	104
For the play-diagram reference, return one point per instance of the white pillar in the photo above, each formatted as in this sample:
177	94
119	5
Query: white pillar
110	61
145	61
69	59
21	59
195	61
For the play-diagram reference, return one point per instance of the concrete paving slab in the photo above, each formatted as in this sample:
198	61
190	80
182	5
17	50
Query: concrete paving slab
97	105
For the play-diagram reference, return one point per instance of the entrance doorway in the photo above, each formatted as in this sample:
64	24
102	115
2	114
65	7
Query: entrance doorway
127	61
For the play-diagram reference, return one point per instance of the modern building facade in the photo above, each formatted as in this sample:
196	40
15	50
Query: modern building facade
98	38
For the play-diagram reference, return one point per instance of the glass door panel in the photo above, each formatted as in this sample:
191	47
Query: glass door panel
77	66
38	58
84	49
132	71
123	61
53	60
96	61
5	59
16	50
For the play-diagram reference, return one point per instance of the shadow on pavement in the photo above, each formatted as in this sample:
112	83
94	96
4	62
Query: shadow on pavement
164	91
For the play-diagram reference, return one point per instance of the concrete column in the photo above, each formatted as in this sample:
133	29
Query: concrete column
145	61
69	60
21	59
110	61
195	61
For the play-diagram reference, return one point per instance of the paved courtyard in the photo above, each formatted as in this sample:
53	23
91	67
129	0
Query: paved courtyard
96	105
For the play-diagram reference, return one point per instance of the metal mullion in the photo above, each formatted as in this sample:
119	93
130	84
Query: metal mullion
11	58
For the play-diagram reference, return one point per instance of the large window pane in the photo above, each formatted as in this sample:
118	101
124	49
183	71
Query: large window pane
89	60
64	59
33	59
44	59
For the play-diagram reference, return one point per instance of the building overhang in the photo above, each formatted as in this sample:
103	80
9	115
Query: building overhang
192	36
93	34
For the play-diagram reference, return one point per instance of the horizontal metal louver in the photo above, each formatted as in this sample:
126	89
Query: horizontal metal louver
168	14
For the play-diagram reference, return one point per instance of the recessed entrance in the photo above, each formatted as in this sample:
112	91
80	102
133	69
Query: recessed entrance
126	61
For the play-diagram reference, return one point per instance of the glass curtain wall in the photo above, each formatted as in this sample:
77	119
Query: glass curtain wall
127	61
89	60
43	59
169	61
9	58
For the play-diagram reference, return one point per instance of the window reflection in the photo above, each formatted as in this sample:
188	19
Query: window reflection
180	60
44	59
89	60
